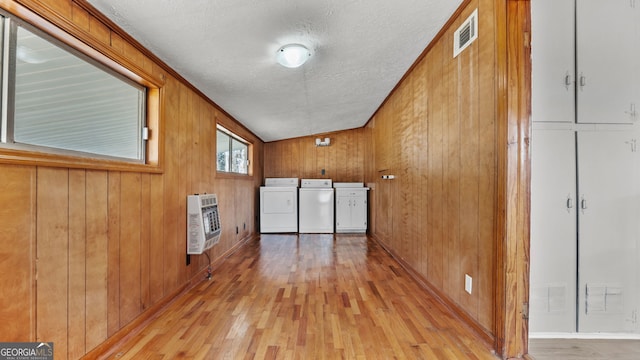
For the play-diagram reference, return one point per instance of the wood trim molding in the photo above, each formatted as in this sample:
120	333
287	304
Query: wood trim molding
30	158
501	114
513	24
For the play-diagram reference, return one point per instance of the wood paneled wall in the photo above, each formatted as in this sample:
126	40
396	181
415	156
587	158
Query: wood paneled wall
342	161
106	245
455	133
437	134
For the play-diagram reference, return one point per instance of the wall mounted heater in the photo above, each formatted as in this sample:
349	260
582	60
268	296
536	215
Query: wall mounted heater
203	223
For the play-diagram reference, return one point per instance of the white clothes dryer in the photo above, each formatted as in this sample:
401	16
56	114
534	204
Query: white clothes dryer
279	205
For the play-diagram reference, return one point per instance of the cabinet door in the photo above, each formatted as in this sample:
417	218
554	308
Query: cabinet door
359	210
351	211
607	51
553	232
553	60
343	211
608	231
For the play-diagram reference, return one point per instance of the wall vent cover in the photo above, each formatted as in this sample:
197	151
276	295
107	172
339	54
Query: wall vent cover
466	33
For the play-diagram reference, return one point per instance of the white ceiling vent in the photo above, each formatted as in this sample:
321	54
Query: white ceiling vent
466	33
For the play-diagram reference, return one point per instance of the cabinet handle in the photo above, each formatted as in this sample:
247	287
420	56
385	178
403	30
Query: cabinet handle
632	111
583	204
569	203
583	81
567	80
633	143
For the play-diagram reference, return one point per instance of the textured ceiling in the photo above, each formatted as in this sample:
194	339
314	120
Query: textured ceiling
226	49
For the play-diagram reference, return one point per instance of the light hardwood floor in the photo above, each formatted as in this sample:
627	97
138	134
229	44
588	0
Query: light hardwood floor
584	349
306	297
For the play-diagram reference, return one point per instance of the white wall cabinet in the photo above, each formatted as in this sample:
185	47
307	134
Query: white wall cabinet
584	57
607	51
554	254
585	182
351	210
609	229
585	231
553	61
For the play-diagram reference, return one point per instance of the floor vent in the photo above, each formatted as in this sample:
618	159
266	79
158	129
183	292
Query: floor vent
465	34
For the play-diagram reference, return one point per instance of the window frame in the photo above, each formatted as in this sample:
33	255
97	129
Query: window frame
11	32
86	45
233	136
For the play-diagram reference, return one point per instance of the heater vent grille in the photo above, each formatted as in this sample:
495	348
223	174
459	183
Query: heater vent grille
466	33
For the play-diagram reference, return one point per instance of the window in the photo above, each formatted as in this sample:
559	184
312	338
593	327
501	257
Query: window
58	100
233	152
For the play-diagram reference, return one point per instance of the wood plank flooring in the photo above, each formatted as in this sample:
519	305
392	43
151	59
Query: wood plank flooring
584	349
306	297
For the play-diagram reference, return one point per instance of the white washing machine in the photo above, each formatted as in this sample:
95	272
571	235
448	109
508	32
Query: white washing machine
279	205
316	213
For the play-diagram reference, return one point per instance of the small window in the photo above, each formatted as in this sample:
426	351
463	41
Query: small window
62	101
233	152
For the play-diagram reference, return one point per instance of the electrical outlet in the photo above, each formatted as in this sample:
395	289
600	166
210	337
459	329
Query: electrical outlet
468	283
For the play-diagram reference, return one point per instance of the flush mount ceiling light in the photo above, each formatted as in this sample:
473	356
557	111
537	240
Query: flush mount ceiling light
292	55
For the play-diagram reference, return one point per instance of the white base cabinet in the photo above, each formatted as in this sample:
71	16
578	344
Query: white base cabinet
351	210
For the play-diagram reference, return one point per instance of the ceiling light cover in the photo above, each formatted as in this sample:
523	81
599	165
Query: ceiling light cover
292	55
